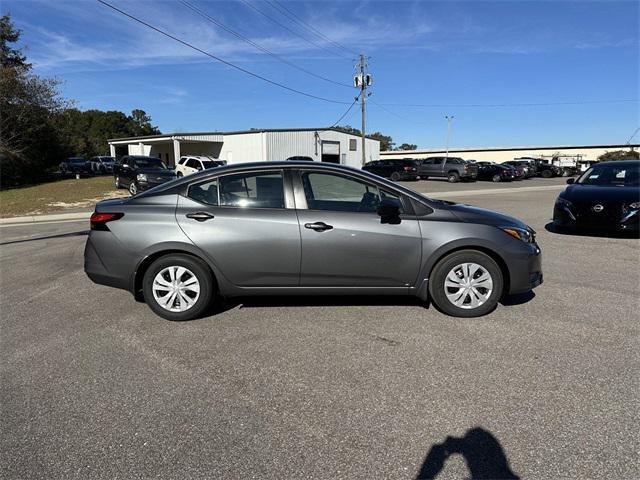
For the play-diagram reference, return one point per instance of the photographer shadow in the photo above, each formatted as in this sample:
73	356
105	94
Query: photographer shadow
481	450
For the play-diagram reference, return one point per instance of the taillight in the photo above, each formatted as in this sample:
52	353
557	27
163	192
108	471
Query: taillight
466	167
99	220
408	169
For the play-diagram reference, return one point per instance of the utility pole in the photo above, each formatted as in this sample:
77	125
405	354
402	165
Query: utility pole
362	80
449	120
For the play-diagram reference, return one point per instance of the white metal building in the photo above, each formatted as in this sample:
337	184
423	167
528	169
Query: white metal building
503	154
321	144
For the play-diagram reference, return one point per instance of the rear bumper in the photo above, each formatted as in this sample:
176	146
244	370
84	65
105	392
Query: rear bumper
116	274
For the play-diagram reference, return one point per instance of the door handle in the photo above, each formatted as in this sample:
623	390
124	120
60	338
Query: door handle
200	216
318	226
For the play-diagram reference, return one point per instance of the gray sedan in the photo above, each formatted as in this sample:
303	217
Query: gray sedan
295	227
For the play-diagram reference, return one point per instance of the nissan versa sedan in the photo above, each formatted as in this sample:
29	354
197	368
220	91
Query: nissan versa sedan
605	197
290	228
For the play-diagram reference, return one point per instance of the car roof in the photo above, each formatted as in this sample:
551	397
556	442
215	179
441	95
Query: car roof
624	163
281	164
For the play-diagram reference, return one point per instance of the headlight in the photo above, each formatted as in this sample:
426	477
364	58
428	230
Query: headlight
141	177
527	236
634	205
563	202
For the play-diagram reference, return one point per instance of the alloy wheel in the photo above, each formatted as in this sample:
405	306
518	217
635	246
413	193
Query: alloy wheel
468	285
176	289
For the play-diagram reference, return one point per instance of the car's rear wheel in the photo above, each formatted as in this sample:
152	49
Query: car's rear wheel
546	174
467	284
496	178
395	176
116	181
179	174
453	177
133	188
178	287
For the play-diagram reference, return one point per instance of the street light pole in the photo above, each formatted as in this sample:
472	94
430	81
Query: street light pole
449	120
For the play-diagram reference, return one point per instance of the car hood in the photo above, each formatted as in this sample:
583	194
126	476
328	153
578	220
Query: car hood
594	193
470	214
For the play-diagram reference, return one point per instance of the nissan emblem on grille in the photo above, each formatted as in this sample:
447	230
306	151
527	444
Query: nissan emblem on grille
598	208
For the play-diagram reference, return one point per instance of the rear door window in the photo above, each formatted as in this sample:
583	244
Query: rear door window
252	190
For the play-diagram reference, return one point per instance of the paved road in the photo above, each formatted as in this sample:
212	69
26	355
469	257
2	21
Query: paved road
95	386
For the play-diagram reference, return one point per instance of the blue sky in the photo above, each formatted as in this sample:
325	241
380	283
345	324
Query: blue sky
451	53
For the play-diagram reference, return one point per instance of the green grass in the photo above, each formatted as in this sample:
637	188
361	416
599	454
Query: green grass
57	196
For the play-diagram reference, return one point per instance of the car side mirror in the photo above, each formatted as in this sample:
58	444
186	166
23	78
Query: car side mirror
570	181
389	212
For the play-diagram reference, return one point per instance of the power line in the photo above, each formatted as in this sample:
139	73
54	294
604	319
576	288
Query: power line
283	9
481	105
232	65
345	113
207	17
310	42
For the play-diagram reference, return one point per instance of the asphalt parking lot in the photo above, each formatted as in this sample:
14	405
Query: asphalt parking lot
96	386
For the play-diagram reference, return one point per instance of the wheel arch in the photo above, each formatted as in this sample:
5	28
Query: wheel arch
147	261
487	250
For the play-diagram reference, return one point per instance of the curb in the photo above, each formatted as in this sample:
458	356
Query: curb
59	217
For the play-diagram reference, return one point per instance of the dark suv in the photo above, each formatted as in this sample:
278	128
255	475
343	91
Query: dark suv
452	168
405	169
138	173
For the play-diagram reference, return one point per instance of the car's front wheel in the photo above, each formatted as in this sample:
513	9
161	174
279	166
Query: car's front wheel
133	188
395	176
467	283
178	287
179	174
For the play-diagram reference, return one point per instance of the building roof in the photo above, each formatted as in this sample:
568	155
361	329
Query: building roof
497	149
237	132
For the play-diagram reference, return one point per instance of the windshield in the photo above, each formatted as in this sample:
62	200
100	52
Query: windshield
611	176
150	163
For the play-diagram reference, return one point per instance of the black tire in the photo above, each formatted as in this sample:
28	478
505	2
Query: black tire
395	176
438	291
423	177
496	178
179	174
546	174
200	271
133	188
116	181
453	177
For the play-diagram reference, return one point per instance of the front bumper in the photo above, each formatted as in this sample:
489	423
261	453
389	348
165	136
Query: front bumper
525	269
565	217
146	185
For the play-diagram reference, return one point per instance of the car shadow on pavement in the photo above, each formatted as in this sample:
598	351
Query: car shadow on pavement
551	228
47	237
324	301
517	299
481	450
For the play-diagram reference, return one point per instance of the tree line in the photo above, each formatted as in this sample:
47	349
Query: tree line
386	141
39	127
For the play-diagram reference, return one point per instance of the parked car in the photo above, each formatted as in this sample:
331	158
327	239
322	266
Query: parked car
452	168
405	169
137	173
299	158
75	166
494	172
528	169
292	228
605	197
102	164
193	164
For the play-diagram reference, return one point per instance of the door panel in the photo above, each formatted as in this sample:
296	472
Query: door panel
356	249
251	246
